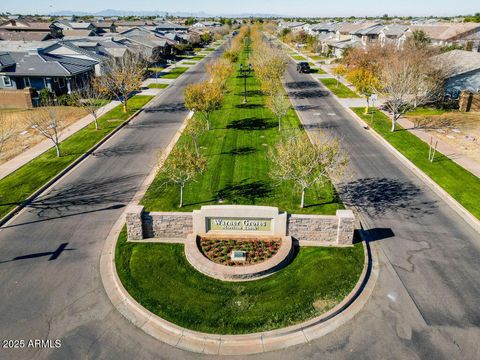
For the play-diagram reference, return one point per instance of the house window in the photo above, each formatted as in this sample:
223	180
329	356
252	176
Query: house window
6	81
27	82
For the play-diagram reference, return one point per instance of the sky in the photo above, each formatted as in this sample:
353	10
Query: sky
281	7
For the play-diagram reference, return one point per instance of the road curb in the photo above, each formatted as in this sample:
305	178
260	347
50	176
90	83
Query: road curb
11	214
437	189
69	168
261	342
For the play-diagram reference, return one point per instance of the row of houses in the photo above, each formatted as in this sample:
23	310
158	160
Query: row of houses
74	52
20	29
335	37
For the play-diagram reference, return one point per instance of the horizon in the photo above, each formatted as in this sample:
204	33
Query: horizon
301	8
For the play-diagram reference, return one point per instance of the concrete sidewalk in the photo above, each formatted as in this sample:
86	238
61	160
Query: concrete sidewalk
30	154
446	149
15	163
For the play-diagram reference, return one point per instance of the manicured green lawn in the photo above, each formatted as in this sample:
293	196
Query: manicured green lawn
157	68
209	49
317	70
462	185
236	149
189	62
160	278
157	86
16	187
339	90
174	73
317	57
426	111
299	57
196	57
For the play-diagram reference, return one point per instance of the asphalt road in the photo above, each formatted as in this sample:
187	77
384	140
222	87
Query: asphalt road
425	304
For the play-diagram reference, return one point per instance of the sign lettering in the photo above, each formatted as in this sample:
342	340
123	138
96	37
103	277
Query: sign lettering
228	224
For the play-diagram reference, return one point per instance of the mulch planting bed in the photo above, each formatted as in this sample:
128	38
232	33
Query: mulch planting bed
257	250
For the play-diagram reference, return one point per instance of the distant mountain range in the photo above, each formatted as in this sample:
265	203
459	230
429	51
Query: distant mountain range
113	12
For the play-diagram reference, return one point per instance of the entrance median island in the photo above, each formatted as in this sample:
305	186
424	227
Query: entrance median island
240	255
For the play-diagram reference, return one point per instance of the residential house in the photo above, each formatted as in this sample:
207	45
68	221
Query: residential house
348	30
38	70
155	46
462	69
72	25
22	26
25	36
293	26
206	24
121	26
169	27
105	27
368	35
443	34
394	34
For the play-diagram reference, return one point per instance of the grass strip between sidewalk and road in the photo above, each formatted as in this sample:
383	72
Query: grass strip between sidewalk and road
19	185
160	278
339	89
157	86
174	73
299	57
461	184
236	148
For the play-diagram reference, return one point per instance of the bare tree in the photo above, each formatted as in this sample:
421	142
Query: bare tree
195	128
47	121
181	166
91	100
7	130
123	76
279	104
297	159
408	79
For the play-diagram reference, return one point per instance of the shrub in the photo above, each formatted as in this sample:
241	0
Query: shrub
67	100
46	97
231	56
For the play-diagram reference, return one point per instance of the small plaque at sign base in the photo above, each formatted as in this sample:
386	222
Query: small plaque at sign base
238	255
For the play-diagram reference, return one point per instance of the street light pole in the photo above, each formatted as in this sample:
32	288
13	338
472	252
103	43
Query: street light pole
244	72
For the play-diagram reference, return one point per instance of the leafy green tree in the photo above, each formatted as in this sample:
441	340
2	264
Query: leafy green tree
181	166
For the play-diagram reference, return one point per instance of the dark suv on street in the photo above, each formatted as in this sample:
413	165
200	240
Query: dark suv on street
303	67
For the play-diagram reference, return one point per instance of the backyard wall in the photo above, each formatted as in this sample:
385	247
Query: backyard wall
18	99
334	230
469	102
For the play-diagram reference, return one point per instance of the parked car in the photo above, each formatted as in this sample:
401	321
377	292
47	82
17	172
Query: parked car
303	67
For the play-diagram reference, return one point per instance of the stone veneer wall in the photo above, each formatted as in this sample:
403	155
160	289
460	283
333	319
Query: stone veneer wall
173	225
322	229
337	230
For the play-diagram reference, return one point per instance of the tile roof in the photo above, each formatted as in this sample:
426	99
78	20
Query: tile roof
446	31
25	35
76	32
29	64
457	62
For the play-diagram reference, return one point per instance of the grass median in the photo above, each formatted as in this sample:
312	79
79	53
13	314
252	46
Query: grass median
19	185
160	278
236	148
462	185
339	89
